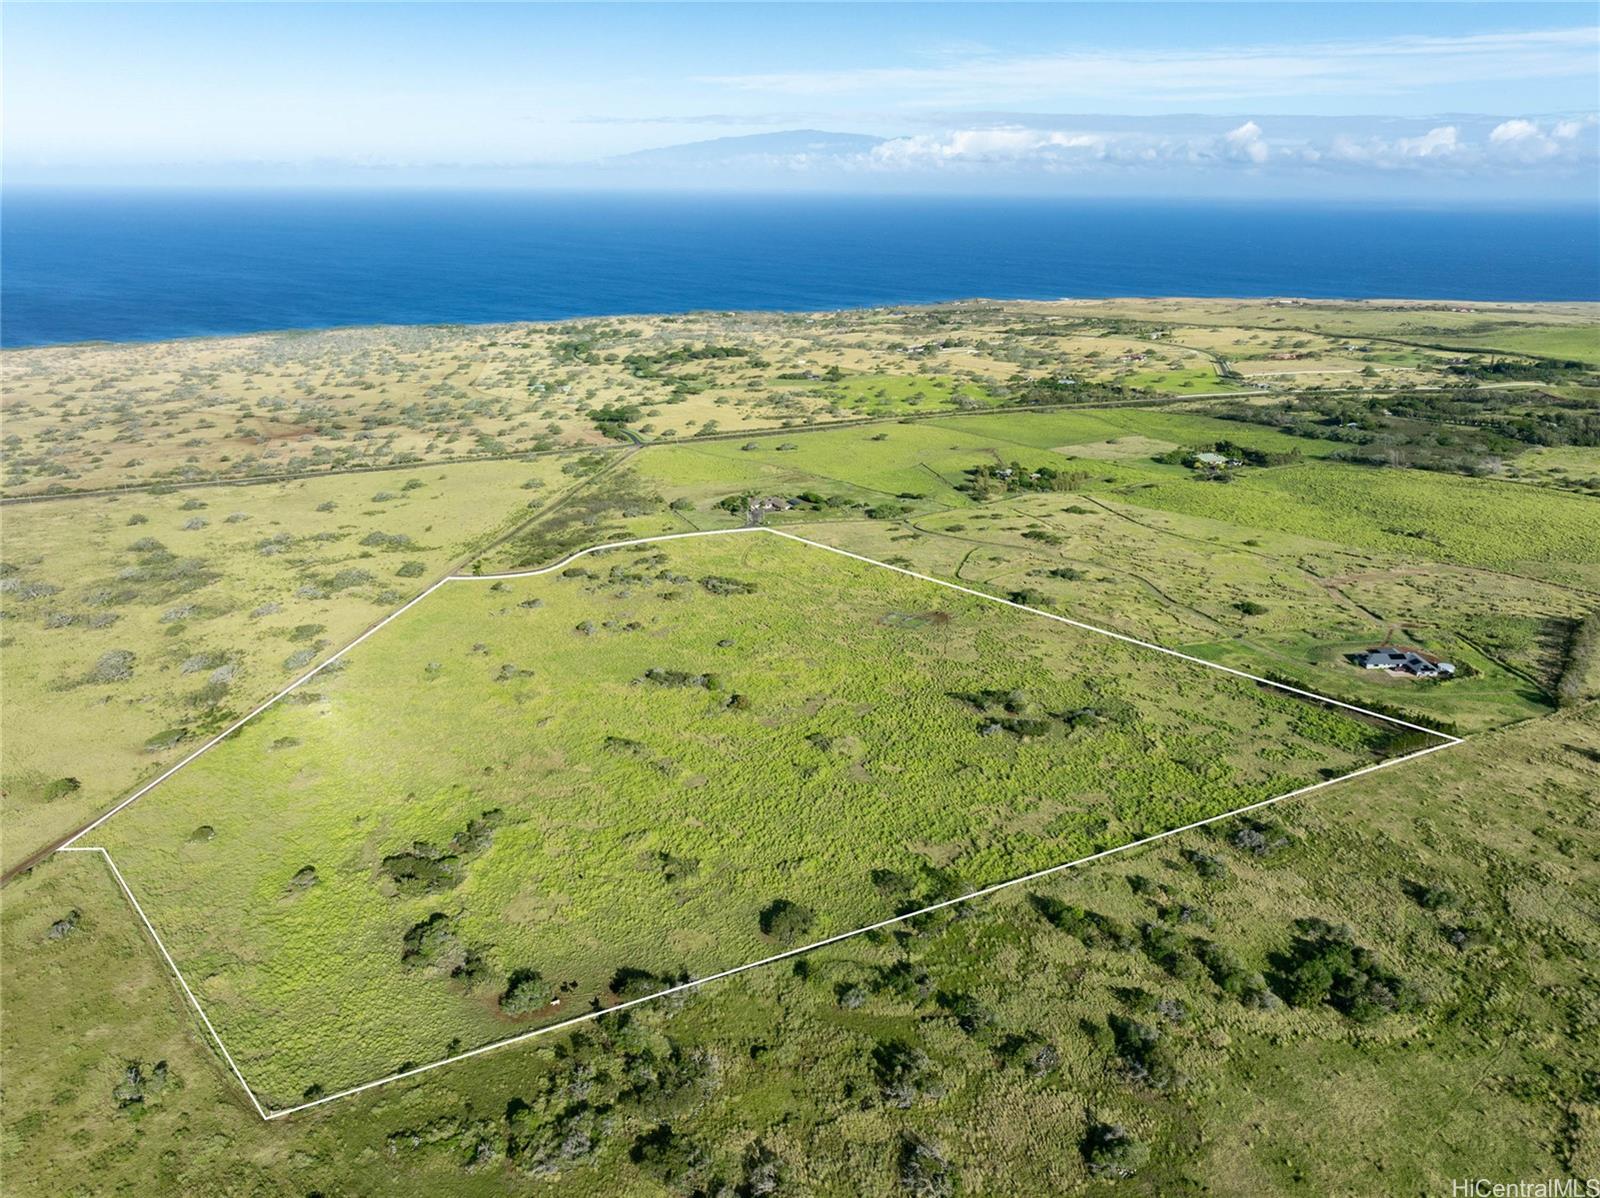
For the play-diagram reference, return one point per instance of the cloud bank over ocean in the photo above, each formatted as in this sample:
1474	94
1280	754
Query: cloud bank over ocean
1441	102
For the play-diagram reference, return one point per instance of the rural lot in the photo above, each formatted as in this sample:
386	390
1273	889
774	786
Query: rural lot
569	777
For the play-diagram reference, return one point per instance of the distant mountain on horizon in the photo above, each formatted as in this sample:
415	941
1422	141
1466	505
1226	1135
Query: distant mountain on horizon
786	146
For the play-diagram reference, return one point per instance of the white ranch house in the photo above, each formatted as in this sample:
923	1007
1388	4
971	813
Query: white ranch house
1406	661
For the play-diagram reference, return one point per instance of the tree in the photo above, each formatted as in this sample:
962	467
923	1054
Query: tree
924	1170
526	991
784	921
1111	1151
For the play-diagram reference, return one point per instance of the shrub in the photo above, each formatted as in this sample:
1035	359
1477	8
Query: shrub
903	980
135	1085
904	1073
427	868
426	942
1111	1151
1032	1052
526	991
472	969
630	983
386	540
1144	1054
1326	965
1430	898
64	926
719	585
971	1016
115	665
681	678
784	921
1234	977
1206	865
1170	950
350	576
167	738
924	1170
1405	740
1259	838
60	789
1580	675
411	570
1091	928
764	1172
666	1154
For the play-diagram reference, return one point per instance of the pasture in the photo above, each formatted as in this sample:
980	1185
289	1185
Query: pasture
580	786
528	796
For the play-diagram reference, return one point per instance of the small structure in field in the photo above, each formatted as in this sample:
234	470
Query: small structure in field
1405	661
759	508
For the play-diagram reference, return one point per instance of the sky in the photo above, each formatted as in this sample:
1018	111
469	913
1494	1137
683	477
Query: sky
1369	100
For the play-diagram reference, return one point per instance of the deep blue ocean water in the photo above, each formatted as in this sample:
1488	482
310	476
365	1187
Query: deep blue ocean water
79	266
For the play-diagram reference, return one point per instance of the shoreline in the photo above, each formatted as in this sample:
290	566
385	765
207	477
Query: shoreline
1577	307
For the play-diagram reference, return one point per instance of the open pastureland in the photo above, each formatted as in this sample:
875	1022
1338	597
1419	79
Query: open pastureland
157	619
333	862
526	796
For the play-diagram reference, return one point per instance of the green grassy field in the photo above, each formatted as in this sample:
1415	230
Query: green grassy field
826	1071
1500	526
900	394
221	596
1180	382
645	814
1374	989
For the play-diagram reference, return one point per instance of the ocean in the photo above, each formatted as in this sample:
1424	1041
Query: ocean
134	266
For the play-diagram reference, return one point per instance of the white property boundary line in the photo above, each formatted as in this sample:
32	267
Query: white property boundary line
173	965
72	846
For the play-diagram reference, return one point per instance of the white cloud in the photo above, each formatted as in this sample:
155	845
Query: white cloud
1385	66
1440	142
1478	145
1010	145
1517	130
1246	142
1527	141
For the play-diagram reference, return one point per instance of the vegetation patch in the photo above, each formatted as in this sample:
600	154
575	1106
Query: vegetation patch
565	836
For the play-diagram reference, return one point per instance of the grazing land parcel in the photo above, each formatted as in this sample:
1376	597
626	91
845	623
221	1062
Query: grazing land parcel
529	796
